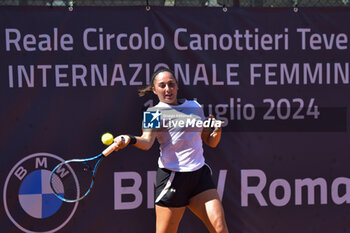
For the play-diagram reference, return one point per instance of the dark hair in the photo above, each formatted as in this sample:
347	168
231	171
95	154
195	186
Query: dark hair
144	90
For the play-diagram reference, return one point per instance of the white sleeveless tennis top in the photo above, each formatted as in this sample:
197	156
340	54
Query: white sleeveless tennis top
180	140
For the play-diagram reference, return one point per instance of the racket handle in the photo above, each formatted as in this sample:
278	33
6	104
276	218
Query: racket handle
109	149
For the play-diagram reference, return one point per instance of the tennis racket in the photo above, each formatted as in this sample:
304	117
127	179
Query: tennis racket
72	180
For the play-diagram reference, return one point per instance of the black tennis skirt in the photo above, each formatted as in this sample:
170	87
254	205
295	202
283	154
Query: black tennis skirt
175	189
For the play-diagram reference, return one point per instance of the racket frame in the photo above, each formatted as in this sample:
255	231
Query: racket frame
99	159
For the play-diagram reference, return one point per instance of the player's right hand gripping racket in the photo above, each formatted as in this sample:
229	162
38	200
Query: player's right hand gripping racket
72	180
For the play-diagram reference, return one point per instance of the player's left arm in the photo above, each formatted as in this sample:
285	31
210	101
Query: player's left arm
211	137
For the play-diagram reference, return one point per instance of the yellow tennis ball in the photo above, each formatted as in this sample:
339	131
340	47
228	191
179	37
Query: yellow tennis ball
107	139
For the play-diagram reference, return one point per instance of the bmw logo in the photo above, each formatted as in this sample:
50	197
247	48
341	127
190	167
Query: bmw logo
28	199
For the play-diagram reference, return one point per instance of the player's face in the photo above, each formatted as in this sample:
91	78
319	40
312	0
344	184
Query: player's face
165	87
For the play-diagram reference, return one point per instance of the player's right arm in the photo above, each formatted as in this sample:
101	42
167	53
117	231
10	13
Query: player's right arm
143	142
146	140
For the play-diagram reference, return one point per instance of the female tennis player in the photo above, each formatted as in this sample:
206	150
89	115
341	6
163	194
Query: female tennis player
183	179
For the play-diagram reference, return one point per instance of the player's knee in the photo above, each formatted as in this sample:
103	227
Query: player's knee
171	228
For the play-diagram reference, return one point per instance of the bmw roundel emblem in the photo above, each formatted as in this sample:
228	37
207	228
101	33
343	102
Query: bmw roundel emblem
28	199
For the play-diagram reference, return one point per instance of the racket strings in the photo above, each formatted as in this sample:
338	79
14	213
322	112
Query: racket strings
87	167
72	180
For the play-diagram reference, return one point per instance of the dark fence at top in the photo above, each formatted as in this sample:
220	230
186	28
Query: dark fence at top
188	3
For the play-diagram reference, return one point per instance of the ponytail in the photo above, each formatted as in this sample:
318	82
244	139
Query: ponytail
144	90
